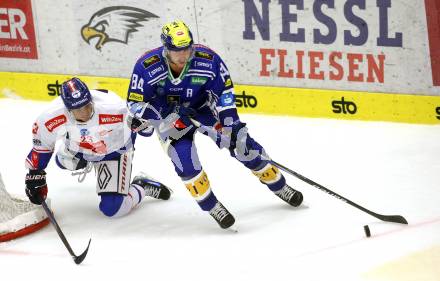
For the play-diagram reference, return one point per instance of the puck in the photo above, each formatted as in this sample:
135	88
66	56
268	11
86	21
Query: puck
367	231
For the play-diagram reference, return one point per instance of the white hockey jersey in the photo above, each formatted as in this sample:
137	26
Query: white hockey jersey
106	133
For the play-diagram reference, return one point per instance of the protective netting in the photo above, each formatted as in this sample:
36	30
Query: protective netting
10	207
19	217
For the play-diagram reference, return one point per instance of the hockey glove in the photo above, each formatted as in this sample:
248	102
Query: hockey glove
184	115
139	126
36	186
241	142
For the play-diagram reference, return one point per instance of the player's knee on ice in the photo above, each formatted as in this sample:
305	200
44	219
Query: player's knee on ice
111	203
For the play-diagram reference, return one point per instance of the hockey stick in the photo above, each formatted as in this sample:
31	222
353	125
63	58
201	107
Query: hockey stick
392	218
76	259
388	218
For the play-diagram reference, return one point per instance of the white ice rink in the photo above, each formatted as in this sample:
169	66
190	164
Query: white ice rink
386	167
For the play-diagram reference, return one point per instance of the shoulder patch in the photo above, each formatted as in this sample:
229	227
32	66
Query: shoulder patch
203	55
150	61
55	122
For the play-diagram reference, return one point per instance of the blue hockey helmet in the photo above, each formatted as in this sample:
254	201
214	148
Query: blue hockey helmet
75	94
176	36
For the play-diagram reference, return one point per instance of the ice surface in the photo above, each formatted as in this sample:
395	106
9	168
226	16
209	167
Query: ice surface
386	167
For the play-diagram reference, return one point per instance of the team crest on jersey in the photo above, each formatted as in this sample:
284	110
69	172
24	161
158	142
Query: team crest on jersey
55	122
203	55
173	99
150	61
110	118
84	132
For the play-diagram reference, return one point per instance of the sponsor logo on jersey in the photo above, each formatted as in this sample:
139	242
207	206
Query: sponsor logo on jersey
196	80
114	24
244	100
104	132
173	99
156	70
343	106
55	122
35	128
203	55
226	99
110	118
150	61
228	82
204	64
437	110
175	89
36	142
135	97
97	147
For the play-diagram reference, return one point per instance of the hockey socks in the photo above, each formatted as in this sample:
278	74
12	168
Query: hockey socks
275	181
200	189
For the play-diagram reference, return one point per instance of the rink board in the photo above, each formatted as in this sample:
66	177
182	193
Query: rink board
348	105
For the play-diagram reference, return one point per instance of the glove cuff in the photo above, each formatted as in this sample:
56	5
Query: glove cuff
37	172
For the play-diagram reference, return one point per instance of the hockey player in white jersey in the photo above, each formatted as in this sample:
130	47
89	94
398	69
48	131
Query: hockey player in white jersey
94	128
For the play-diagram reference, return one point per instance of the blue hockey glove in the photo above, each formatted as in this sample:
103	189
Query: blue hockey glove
184	113
241	142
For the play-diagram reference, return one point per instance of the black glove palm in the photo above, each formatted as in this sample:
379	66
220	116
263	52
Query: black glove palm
36	186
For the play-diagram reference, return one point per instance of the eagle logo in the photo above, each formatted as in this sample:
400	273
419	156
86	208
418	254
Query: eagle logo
114	24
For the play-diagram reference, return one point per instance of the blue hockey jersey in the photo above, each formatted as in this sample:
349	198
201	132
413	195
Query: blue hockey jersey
205	82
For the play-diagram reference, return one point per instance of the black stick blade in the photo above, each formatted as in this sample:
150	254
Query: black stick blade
80	258
396	219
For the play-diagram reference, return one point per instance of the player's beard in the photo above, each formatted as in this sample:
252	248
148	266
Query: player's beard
180	62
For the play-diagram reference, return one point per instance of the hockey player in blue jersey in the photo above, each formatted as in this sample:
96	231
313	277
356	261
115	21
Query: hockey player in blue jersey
181	81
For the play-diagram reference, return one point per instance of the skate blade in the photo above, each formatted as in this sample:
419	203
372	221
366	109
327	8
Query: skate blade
232	229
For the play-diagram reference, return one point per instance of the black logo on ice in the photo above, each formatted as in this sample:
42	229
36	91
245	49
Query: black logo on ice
343	106
114	24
